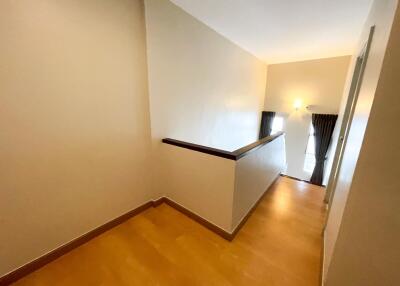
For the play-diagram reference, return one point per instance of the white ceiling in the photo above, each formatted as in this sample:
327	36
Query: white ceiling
279	31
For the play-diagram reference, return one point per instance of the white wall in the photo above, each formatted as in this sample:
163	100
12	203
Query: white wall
319	83
206	90
74	121
220	190
254	173
200	182
203	88
362	234
75	112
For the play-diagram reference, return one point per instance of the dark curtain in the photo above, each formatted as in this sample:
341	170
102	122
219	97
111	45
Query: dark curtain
323	128
267	119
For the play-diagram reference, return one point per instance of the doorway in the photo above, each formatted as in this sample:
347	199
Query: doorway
347	118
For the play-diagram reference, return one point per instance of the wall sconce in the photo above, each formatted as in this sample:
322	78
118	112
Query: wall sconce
297	104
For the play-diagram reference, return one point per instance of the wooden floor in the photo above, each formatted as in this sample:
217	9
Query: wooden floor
279	245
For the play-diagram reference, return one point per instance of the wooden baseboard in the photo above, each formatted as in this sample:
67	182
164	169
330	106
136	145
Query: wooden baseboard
216	229
53	255
305	181
246	217
158	202
321	278
60	251
221	232
296	179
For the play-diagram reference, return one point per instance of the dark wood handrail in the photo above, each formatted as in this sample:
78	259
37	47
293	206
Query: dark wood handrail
234	155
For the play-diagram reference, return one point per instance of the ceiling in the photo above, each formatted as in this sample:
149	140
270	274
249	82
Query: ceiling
278	31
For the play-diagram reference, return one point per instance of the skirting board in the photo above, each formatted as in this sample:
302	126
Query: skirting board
60	251
297	179
246	217
221	232
216	229
321	278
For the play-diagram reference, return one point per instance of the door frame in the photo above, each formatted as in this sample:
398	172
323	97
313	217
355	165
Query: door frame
356	82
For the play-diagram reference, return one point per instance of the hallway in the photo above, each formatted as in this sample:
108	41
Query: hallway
279	245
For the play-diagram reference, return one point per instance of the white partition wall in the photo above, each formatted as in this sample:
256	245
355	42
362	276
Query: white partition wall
254	173
201	183
221	190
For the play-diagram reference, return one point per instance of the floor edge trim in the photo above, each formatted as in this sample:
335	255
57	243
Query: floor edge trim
41	261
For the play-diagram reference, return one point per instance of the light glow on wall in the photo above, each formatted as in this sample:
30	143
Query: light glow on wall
297	104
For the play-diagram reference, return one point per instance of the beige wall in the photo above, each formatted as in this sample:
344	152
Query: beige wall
363	230
74	121
203	88
318	83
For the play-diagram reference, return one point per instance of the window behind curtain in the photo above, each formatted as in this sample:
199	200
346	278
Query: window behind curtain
309	160
277	125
